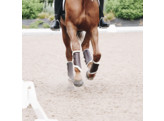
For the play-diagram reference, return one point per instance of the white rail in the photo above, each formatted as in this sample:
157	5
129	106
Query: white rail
111	29
30	98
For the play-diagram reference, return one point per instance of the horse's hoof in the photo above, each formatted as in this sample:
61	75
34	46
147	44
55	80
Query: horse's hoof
78	83
90	76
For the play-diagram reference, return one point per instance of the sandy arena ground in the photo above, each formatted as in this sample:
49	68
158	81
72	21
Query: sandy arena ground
114	95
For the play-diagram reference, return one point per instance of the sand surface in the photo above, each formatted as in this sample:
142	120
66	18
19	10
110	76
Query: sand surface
114	95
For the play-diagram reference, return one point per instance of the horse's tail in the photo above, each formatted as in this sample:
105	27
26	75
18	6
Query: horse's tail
80	35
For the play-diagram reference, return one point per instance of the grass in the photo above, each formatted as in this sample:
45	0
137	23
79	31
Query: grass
25	27
36	24
109	16
51	18
43	15
46	25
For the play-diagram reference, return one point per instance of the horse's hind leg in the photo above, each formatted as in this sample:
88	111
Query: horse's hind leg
72	32
85	47
96	54
67	43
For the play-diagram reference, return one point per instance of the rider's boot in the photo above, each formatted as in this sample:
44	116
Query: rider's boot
58	8
102	23
55	24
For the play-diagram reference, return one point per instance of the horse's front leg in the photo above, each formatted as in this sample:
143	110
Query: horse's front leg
72	32
96	54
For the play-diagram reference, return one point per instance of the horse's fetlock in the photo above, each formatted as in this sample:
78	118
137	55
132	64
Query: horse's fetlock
94	68
96	57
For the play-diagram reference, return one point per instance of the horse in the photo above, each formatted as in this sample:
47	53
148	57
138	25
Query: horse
81	15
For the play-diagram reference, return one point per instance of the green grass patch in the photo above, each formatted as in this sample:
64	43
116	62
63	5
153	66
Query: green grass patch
36	24
109	16
43	15
125	9
46	25
51	18
25	26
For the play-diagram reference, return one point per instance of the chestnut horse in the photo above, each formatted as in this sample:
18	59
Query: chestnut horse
81	15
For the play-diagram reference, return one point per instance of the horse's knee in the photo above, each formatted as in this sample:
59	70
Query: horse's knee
96	57
75	45
85	45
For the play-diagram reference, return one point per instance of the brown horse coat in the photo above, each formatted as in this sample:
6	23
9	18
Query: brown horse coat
84	14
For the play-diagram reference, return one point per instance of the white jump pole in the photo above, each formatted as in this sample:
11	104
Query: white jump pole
30	98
